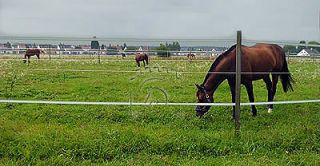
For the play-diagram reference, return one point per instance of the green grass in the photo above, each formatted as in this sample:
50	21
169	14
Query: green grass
39	134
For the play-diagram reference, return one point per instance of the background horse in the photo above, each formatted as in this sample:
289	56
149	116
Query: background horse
190	56
32	52
142	57
257	62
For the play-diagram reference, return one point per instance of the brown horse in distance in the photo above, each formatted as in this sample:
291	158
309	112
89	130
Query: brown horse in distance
190	56
32	52
257	62
142	57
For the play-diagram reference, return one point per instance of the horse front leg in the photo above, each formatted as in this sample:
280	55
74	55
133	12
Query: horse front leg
231	83
25	59
138	63
249	88
144	64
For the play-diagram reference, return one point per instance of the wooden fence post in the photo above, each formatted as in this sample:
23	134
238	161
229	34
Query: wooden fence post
238	84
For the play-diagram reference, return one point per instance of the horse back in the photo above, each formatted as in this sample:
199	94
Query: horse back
32	52
263	57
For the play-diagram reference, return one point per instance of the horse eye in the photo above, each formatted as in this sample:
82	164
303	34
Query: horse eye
207	96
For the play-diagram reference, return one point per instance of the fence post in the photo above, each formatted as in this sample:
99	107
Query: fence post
238	84
99	56
49	51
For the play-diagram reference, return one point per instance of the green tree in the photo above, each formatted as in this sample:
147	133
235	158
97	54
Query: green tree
175	46
8	45
95	44
290	49
132	48
314	43
162	51
302	47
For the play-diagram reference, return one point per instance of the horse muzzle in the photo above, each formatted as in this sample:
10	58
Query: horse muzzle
201	110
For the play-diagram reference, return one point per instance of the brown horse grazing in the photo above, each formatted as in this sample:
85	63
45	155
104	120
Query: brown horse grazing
191	56
32	52
142	57
257	62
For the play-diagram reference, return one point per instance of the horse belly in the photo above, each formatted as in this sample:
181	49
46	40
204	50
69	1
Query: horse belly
258	69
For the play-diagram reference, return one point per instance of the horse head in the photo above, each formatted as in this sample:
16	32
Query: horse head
203	96
42	51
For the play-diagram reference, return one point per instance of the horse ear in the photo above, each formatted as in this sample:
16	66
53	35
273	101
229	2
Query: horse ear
198	86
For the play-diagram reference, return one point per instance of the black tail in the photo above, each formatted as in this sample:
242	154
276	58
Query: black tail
286	79
147	59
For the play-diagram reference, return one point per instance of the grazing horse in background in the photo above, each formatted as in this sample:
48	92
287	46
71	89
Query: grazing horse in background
257	62
142	57
32	52
190	56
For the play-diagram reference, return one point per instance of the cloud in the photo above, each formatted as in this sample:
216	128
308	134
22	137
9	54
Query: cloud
258	19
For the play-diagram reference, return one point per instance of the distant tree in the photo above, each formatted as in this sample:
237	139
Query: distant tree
8	45
175	46
302	47
290	49
103	46
132	48
95	44
162	51
314	43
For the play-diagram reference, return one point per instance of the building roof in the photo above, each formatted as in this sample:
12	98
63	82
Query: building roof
312	52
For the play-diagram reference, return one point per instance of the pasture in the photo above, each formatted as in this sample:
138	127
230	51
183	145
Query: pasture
149	135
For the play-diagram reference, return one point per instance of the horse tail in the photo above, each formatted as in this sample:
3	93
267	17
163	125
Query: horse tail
286	78
147	59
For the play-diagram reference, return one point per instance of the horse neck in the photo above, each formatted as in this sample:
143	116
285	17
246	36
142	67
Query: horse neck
213	82
215	79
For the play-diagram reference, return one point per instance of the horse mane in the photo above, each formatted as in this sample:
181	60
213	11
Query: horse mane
218	60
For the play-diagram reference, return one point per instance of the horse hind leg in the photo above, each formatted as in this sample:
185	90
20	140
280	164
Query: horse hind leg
249	88
25	59
275	79
269	88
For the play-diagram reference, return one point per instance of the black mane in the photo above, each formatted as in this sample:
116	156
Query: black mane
217	61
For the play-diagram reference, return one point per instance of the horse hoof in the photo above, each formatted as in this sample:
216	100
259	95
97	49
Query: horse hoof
269	110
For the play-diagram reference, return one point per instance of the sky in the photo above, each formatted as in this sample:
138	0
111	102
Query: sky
181	19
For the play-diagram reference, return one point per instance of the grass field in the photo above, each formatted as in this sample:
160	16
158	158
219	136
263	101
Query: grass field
38	134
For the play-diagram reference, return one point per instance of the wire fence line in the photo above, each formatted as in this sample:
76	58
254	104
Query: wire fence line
153	103
152	40
109	60
163	70
167	70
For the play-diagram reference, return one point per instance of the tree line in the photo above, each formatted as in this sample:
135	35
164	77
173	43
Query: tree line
292	49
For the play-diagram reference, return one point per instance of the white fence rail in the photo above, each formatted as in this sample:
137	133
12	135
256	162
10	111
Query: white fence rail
151	103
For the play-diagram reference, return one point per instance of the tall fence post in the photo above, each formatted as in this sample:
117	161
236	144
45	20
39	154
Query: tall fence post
238	83
49	51
99	56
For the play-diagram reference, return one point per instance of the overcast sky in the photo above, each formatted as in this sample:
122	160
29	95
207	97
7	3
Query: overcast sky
258	19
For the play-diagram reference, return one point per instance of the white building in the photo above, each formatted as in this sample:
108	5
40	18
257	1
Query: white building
308	52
